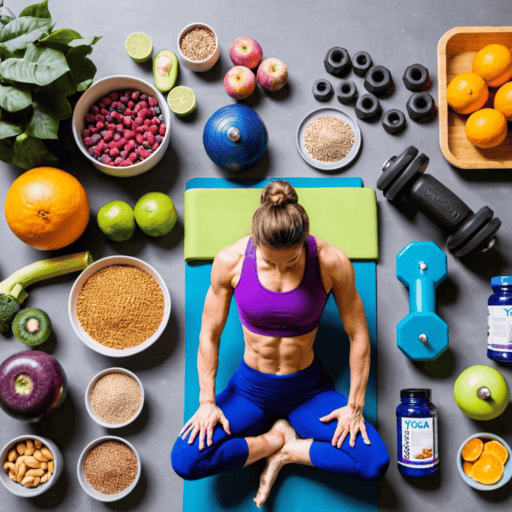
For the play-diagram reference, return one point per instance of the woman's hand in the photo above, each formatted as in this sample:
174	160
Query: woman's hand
203	422
350	422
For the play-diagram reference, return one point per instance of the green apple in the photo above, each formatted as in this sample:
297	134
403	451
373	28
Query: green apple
481	392
116	221
155	214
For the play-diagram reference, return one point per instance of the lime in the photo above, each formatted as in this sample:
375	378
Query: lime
116	221
182	101
139	47
155	214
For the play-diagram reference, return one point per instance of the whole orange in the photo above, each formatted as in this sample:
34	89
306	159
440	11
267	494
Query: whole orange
47	208
486	128
494	64
467	92
503	100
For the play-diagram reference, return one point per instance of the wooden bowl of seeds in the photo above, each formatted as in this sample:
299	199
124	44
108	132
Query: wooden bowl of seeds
108	468
198	47
25	453
114	397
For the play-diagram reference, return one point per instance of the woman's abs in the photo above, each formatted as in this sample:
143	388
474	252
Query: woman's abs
279	356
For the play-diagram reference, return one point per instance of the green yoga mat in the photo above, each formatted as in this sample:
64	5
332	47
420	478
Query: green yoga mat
298	488
215	218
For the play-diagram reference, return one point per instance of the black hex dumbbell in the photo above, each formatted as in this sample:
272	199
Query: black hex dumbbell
421	107
404	178
378	80
346	91
337	61
367	107
361	63
393	121
416	78
322	90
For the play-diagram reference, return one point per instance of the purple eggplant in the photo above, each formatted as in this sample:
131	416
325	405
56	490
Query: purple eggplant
32	385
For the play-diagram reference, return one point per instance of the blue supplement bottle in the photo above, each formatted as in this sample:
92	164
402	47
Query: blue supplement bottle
499	319
416	444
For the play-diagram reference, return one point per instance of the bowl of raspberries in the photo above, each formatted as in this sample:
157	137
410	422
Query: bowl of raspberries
121	124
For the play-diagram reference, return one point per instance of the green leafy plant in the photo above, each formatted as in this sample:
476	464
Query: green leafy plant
40	72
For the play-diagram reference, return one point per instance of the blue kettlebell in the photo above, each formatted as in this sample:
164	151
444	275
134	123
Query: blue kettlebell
235	137
421	267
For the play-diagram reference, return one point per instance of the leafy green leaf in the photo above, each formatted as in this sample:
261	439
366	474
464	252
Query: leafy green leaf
52	99
6	152
83	72
42	125
30	152
38	10
86	41
14	98
24	30
63	36
40	66
8	129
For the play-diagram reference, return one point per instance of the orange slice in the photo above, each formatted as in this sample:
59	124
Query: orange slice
488	469
498	449
468	468
472	449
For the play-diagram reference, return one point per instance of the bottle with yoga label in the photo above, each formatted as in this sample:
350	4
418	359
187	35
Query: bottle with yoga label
417	446
499	319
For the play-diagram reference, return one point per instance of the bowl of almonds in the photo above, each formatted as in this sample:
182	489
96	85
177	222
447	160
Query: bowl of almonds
31	465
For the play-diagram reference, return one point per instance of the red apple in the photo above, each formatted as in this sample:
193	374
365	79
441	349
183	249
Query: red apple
272	74
245	51
240	82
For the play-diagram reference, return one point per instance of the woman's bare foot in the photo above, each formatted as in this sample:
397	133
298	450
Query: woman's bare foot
275	461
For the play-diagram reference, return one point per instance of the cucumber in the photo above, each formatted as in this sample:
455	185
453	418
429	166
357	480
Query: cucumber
31	326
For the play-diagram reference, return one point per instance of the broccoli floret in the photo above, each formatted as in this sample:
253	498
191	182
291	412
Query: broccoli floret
9	306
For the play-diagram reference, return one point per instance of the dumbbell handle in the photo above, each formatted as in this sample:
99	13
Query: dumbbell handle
438	203
422	294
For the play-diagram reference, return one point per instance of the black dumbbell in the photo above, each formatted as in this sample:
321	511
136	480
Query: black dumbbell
367	107
416	78
378	81
346	92
393	121
403	178
361	63
322	90
337	61
421	107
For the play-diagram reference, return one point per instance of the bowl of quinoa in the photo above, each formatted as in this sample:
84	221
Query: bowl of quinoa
119	306
114	397
198	47
108	468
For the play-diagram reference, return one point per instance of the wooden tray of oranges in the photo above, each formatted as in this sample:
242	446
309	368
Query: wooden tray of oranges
456	54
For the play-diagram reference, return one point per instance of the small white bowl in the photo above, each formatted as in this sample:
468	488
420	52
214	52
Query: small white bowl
93	492
21	490
102	88
93	382
86	274
199	65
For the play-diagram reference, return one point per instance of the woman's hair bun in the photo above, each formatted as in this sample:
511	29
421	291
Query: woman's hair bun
279	193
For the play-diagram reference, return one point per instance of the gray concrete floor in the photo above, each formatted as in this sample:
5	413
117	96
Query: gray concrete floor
396	34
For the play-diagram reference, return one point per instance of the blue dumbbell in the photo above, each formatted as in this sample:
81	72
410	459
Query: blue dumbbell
422	335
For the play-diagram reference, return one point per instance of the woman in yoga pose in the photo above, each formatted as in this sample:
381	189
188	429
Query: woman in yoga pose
281	277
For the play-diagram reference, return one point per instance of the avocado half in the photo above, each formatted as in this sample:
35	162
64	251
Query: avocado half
165	70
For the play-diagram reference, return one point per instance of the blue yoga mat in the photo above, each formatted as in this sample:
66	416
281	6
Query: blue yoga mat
298	488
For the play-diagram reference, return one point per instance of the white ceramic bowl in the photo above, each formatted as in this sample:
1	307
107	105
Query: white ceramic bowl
90	387
199	65
92	269
93	492
21	490
102	88
507	473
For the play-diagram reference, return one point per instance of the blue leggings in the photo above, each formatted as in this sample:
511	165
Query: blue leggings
302	398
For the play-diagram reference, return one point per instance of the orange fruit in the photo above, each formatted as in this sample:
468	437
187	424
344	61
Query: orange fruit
503	100
468	468
472	449
486	128
494	64
47	208
488	469
498	449
467	92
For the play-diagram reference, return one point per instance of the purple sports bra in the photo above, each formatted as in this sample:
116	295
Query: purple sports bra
280	314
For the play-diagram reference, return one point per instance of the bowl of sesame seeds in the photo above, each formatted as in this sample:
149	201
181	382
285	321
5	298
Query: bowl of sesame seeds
198	47
108	468
114	397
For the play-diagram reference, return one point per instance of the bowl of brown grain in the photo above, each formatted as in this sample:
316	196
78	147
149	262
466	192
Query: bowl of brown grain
198	47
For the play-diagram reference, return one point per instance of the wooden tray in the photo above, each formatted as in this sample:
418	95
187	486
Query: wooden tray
455	53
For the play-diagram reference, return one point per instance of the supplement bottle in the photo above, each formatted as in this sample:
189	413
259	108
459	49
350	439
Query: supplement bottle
416	444
499	319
